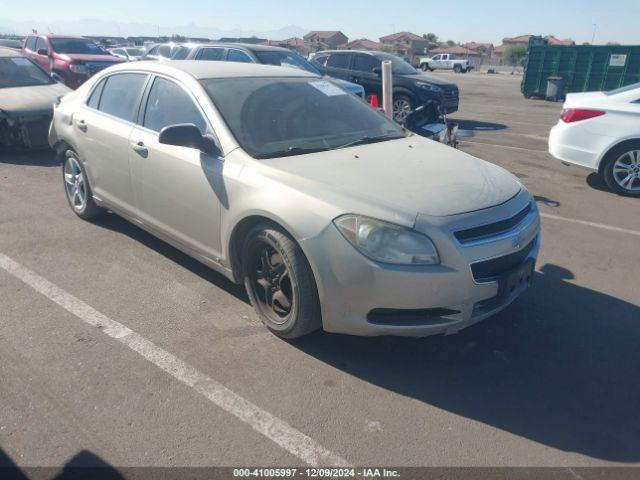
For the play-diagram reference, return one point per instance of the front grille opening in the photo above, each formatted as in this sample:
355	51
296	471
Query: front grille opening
415	317
492	229
489	270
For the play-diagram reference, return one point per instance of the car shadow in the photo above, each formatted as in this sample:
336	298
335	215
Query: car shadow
117	224
36	158
559	367
81	466
476	125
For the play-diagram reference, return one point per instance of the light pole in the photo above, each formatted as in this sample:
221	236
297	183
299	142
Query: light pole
593	37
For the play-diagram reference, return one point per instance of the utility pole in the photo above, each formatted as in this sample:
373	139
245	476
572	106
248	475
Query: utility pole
593	37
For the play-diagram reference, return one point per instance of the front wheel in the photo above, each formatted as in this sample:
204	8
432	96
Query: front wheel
622	169
402	107
77	188
280	283
457	68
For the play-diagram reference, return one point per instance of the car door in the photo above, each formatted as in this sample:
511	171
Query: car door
363	67
178	190
42	59
103	126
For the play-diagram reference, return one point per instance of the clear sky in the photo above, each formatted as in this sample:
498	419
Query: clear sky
460	20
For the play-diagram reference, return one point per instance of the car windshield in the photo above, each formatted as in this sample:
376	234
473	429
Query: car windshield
135	52
76	46
286	59
279	116
398	66
628	88
21	72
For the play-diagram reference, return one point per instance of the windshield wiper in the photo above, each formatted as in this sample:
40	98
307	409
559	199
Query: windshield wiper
291	151
367	139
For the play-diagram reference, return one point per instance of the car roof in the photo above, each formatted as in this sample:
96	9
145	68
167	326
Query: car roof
10	52
75	37
367	52
201	70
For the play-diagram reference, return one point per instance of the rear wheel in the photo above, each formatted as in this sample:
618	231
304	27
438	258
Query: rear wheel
280	283
622	169
457	68
77	188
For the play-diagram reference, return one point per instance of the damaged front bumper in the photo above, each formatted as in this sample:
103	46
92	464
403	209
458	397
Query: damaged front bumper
25	131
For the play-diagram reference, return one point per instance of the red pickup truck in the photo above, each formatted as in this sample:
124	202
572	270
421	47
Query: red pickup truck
70	60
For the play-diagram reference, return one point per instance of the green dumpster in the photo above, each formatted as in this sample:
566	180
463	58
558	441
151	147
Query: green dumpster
584	68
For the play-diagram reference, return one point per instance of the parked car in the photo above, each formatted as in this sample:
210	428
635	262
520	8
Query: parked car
167	51
411	87
27	95
130	54
445	61
323	207
266	55
599	131
10	43
70	60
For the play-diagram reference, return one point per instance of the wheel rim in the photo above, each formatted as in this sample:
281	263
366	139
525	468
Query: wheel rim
401	108
626	171
75	184
271	283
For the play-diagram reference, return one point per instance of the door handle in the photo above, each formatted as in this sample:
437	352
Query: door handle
82	125
140	149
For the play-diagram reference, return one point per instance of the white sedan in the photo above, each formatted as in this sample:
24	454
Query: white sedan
600	131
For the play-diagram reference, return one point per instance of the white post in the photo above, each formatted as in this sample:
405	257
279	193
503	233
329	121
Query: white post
387	88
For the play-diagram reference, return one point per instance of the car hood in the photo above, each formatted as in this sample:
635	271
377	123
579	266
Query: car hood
92	58
26	101
403	178
423	77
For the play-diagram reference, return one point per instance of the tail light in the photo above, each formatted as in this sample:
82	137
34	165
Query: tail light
570	115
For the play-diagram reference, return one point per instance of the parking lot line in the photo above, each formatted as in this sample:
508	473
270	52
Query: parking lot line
591	224
463	142
275	429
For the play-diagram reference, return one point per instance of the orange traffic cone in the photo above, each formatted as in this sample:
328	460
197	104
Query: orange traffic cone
373	101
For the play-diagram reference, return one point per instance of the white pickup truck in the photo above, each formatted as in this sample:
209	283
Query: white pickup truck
445	61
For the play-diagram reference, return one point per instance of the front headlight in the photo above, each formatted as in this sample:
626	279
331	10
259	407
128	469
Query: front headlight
79	68
429	87
387	243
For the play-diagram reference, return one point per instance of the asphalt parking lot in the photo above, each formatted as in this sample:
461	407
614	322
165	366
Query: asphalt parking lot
180	372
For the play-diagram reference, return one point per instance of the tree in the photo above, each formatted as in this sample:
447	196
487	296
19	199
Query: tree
451	43
613	44
514	53
432	37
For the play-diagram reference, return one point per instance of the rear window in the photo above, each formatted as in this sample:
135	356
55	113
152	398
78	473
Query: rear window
121	95
628	88
21	72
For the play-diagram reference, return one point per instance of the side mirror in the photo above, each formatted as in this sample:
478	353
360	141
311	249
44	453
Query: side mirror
188	135
43	51
377	71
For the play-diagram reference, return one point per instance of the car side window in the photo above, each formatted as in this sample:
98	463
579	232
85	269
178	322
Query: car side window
121	95
153	51
339	60
94	98
238	56
365	63
164	51
169	104
31	44
320	60
40	44
210	54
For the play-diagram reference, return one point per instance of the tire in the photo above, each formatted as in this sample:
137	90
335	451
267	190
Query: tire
280	283
402	106
424	67
76	187
621	169
457	68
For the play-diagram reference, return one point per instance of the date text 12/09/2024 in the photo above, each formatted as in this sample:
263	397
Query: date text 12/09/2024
315	473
